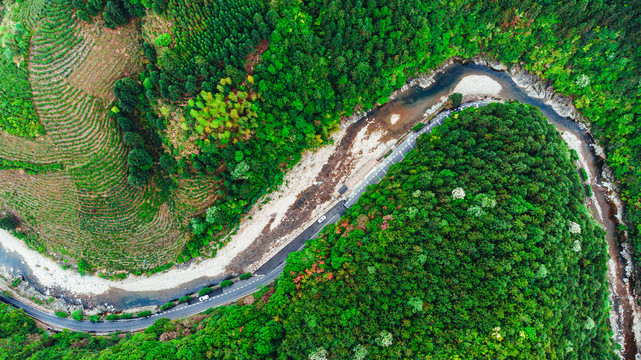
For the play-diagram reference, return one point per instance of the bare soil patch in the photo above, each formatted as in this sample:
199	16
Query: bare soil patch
253	58
115	54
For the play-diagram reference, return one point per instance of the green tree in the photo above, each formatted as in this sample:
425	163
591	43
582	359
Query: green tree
455	99
127	91
115	14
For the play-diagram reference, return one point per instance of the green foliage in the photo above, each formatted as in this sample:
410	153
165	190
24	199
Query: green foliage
222	117
143	314
126	124
245	276
132	140
17	113
204	291
62	314
226	283
209	44
325	59
77	315
127	91
455	99
168	163
583	173
184	299
163	40
9	222
167	306
20	338
418	126
29	168
84	267
140	166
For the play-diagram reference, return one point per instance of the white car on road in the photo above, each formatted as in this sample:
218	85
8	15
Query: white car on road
323	218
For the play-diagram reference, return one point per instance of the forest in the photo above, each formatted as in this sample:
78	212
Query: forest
477	246
489	254
17	113
307	64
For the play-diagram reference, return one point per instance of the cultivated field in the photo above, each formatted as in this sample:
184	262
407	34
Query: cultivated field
88	210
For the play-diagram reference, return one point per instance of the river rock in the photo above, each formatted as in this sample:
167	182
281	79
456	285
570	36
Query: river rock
491	63
95	310
151	308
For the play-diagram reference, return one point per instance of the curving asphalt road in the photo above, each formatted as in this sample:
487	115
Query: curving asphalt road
266	274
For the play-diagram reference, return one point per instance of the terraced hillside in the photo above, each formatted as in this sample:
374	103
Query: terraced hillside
88	210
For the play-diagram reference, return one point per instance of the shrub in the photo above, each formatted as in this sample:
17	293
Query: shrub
583	173
418	126
132	140
163	40
127	316
245	276
205	291
77	315
94	318
168	163
62	314
115	14
143	314
112	317
184	299
8	223
126	124
226	283
167	306
140	159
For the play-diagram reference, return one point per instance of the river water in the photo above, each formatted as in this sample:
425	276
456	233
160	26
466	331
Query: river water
412	104
415	102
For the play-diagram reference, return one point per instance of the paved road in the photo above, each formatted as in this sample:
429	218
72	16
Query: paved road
266	274
222	297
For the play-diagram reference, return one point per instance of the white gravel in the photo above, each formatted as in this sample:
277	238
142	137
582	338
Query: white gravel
474	85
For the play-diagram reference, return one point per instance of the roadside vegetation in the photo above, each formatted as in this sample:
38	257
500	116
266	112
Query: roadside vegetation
488	255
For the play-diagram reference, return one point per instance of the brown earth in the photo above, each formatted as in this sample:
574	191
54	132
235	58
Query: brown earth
115	55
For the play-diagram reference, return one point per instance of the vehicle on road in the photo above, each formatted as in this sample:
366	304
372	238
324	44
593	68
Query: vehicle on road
323	218
203	298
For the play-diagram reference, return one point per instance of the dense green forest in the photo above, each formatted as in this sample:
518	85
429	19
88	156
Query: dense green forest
309	63
477	245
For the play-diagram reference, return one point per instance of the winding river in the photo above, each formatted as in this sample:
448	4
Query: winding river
412	103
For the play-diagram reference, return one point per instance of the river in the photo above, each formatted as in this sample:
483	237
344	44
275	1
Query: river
410	105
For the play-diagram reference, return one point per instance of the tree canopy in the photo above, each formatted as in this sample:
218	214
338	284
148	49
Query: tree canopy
478	245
